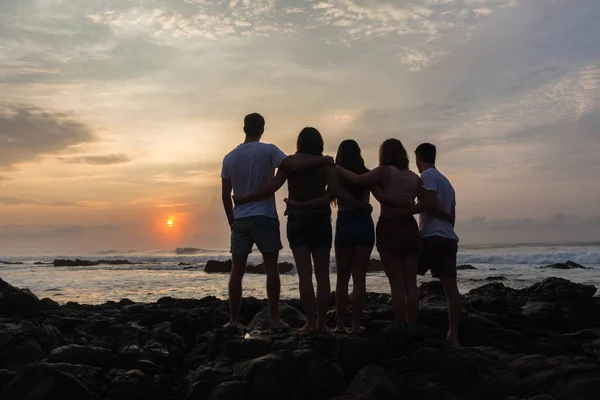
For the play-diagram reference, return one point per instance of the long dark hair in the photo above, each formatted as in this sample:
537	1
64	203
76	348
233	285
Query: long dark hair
392	152
350	157
310	141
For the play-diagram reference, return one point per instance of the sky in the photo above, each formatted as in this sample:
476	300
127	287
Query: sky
115	115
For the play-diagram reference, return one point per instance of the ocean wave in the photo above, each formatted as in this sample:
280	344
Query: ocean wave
534	259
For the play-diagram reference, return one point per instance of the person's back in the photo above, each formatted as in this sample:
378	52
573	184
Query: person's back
404	186
429	225
307	185
440	243
246	169
250	166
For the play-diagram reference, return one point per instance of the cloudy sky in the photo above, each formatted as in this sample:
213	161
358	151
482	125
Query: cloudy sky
115	114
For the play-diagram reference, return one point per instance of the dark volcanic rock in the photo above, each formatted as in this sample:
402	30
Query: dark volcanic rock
539	341
284	268
86	263
14	300
213	266
291	315
465	267
85	355
42	382
567	265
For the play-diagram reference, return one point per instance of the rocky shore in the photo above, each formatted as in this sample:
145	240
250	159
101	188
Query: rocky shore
541	342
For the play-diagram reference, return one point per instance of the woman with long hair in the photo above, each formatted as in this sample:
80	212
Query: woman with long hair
354	238
398	239
309	227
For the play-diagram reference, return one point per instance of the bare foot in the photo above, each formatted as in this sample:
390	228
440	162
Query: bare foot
308	328
453	340
358	330
341	329
278	325
232	325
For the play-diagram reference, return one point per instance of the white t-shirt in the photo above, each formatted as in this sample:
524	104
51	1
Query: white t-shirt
429	225
250	167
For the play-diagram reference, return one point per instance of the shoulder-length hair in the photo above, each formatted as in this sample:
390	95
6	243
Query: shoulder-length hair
310	141
392	152
349	156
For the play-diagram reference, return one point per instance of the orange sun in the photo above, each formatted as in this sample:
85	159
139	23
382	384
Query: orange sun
170	223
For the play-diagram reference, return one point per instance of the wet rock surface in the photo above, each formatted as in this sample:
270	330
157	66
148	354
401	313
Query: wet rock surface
540	342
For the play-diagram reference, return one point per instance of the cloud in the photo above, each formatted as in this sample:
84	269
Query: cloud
18	201
109	159
557	228
28	133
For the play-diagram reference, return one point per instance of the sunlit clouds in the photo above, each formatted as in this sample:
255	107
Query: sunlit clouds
115	115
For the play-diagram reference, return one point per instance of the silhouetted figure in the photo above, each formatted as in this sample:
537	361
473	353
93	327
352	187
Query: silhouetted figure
398	241
309	223
246	169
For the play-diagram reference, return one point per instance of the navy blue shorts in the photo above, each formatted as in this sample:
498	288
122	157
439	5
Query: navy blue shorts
354	228
312	230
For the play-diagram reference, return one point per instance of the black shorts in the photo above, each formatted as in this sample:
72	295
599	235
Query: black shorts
439	256
312	230
398	236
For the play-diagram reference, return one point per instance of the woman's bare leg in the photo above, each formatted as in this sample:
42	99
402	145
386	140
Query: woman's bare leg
321	261
343	263
411	264
307	292
360	263
393	265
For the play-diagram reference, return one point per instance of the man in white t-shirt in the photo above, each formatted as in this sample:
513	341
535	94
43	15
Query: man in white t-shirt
439	241
246	169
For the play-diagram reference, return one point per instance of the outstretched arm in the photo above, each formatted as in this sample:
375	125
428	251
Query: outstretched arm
427	203
316	202
274	185
371	178
292	163
226	189
339	192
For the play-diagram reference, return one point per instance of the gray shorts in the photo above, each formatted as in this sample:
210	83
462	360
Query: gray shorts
260	230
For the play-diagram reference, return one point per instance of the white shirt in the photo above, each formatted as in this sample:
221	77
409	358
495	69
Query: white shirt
250	167
429	225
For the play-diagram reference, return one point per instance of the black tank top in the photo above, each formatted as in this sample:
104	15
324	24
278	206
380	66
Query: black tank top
308	185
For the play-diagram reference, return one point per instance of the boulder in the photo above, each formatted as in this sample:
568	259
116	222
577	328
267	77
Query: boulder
230	390
464	267
373	382
284	267
289	314
42	382
214	266
270	378
567	265
85	355
14	300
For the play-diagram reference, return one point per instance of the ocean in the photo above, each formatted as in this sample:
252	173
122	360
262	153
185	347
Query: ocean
157	274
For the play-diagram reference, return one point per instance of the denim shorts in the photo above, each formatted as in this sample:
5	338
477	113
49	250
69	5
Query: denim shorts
312	230
260	230
354	228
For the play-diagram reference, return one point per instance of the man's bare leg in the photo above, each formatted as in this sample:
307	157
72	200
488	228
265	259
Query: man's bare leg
238	269
273	290
454	304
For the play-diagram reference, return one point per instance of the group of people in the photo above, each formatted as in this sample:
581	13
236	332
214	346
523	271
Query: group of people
316	183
